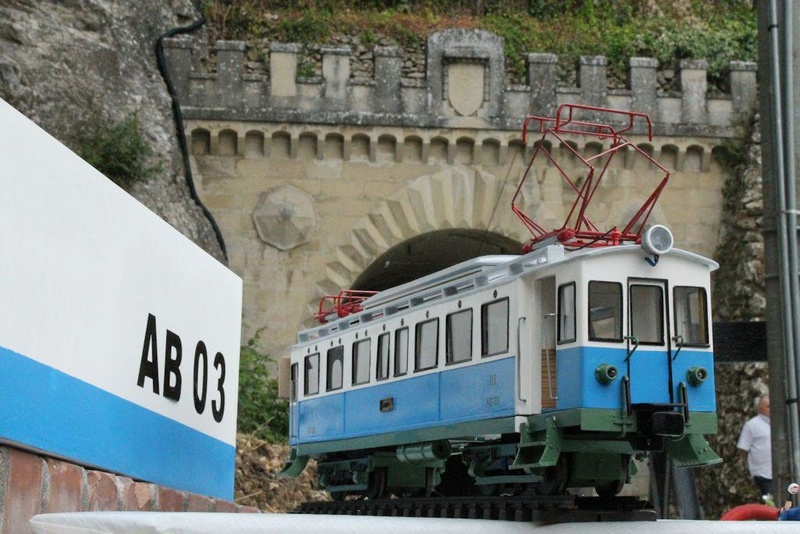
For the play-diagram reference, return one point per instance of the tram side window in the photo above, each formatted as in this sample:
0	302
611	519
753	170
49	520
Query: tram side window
566	313
335	368
361	361
647	314
427	344
311	372
605	311
691	315
382	371
494	328
401	352
459	337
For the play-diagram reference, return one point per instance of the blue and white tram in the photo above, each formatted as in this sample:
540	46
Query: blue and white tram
549	370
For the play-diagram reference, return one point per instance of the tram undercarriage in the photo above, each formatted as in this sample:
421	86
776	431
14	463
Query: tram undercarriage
551	453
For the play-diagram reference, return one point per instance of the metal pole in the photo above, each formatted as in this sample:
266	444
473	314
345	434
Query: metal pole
787	246
791	226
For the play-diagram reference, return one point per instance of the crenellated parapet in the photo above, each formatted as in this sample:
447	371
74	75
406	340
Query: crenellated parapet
463	87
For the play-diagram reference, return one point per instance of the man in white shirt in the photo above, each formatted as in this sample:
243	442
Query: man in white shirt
755	445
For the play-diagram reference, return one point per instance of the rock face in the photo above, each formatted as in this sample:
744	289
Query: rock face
61	62
738	296
723	486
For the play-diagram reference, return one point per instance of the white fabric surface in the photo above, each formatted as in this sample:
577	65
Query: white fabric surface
201	523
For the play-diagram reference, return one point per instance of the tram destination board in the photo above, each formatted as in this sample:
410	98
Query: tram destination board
541	509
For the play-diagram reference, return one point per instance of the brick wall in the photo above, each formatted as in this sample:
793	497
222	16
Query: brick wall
31	484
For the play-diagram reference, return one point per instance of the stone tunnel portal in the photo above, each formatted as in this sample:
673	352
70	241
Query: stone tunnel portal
431	252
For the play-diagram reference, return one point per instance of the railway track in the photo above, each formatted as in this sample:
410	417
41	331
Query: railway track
548	510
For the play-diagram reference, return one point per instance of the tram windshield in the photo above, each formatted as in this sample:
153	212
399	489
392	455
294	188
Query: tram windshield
691	315
647	314
605	311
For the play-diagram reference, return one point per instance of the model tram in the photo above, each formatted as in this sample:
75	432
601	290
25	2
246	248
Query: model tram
545	371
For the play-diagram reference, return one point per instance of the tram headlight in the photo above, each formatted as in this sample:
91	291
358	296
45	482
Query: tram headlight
696	375
657	240
605	373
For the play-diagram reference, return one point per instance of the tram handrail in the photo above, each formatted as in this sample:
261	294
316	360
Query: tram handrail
547	348
519	359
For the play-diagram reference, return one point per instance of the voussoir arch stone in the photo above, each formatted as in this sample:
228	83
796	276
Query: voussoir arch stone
455	198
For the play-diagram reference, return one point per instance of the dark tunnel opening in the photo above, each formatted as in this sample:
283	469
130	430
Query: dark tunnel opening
431	252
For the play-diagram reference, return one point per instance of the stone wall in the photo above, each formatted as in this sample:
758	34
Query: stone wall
738	296
463	87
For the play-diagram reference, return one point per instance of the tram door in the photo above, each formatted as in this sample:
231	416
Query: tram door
293	423
548	371
649	361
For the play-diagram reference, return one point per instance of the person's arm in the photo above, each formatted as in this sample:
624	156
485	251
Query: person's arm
745	441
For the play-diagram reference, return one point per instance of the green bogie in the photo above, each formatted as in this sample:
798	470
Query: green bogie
489	467
378	474
606	473
608	469
608	432
552	452
594	448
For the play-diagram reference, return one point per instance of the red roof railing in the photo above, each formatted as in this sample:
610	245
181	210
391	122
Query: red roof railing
348	301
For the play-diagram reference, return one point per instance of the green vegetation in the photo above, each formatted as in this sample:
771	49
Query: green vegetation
669	30
117	149
305	69
261	412
731	154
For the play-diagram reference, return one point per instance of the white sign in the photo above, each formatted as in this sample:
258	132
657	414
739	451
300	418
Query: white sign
119	337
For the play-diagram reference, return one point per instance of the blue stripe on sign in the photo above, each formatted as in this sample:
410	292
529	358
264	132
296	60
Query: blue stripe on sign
43	408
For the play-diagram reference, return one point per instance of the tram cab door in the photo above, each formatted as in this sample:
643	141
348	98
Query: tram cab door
648	343
293	394
547	342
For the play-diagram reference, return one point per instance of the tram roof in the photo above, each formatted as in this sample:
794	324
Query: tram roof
464	276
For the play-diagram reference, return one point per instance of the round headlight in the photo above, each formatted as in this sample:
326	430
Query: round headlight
696	375
657	240
605	373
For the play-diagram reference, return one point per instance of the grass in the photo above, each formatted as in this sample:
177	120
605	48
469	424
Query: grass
261	412
117	149
716	30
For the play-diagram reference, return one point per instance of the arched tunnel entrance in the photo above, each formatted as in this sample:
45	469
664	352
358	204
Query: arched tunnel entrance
431	252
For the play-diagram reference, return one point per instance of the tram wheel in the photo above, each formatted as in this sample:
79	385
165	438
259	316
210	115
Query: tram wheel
377	484
556	478
430	473
611	488
426	491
